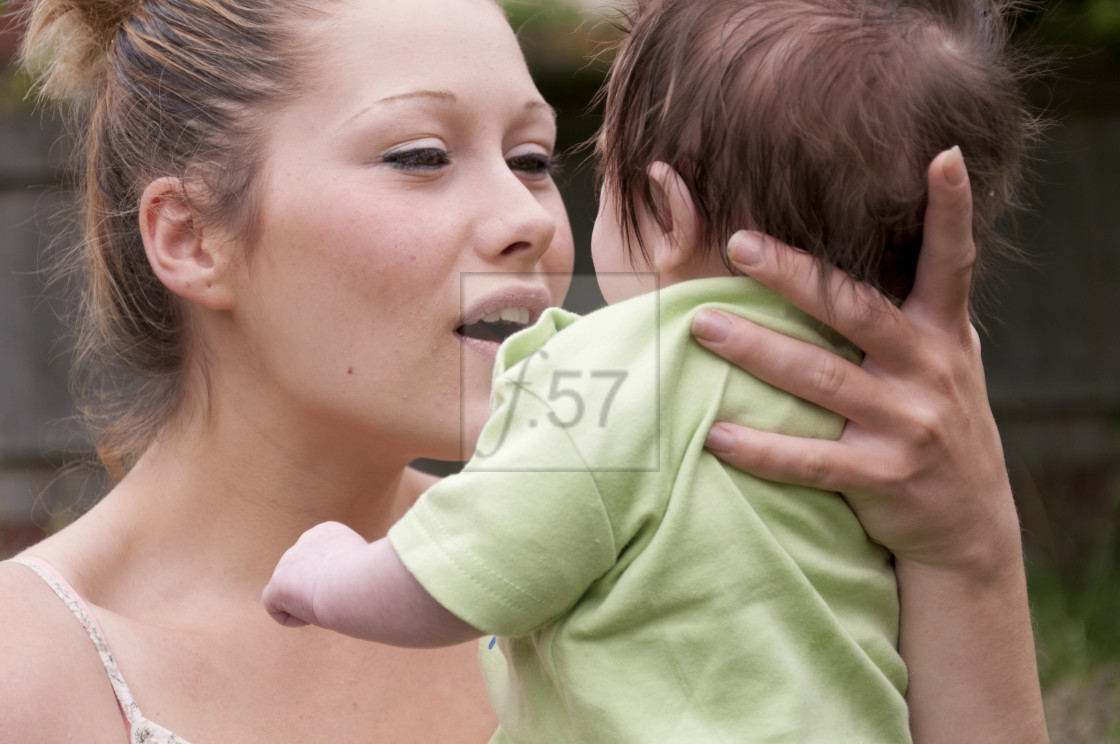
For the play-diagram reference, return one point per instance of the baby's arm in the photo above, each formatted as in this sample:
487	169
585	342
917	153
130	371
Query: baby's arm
334	579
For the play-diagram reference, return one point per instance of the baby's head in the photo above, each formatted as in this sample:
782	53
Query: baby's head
813	121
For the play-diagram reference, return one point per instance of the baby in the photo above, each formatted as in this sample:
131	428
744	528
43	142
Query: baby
638	590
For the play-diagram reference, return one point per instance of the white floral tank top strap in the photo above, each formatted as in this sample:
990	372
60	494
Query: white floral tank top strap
140	729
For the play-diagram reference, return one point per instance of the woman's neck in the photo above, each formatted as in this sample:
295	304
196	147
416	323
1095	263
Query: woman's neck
211	506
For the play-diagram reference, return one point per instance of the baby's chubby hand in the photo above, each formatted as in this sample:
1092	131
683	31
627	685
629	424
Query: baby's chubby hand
303	570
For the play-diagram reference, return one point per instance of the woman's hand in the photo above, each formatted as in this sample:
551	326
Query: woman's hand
920	461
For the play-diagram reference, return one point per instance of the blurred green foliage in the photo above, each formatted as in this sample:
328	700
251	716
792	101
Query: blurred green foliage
14	91
567	48
1071	520
13	85
536	17
1090	23
1075	584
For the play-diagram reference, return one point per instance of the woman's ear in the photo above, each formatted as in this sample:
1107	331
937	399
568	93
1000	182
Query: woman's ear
674	247
188	265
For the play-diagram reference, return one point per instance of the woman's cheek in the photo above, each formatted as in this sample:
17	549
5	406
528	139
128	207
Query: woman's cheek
559	260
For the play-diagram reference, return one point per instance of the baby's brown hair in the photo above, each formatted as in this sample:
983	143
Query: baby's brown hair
815	121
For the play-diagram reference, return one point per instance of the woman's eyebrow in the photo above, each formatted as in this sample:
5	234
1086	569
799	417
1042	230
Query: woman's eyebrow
443	95
439	95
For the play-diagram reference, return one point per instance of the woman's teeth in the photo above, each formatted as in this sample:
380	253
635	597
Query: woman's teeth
518	315
497	326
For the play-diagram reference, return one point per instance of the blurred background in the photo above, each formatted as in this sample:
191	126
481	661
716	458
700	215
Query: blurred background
1052	346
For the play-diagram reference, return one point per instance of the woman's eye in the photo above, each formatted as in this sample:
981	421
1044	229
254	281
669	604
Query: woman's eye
424	158
533	164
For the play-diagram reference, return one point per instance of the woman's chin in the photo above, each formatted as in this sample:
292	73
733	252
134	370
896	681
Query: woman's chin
476	373
474	415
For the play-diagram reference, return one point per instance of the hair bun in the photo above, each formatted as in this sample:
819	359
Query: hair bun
65	47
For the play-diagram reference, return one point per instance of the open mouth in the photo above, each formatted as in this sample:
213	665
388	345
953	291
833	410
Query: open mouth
497	326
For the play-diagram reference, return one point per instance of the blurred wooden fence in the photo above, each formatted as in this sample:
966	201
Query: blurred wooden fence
38	433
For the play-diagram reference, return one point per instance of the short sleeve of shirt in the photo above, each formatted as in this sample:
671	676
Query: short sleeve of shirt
515	539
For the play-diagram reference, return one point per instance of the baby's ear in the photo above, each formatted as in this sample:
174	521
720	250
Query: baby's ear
186	263
673	248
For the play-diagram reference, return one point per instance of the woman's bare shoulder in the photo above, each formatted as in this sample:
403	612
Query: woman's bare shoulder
52	685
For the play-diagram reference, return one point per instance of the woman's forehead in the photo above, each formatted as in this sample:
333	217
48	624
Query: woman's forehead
416	29
389	48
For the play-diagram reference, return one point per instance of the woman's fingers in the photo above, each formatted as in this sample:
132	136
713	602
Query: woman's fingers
803	369
817	463
941	287
938	301
856	311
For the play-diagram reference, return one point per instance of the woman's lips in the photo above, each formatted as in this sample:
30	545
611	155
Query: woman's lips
498	315
486	335
488	350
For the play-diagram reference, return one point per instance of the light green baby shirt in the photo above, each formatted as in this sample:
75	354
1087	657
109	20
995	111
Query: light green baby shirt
641	590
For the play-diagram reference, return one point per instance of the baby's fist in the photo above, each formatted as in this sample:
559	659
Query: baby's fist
290	594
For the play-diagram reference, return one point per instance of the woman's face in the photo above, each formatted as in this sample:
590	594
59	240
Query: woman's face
401	194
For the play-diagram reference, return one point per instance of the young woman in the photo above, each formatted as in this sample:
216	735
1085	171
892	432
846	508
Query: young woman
281	202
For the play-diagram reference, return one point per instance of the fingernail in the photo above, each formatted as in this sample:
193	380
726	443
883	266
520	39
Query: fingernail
719	439
745	249
953	167
711	326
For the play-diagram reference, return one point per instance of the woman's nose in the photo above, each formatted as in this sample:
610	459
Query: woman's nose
523	225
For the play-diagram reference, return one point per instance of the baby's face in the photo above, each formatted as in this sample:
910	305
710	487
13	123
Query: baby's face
620	275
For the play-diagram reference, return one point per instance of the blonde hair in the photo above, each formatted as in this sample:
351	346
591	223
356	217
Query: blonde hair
178	88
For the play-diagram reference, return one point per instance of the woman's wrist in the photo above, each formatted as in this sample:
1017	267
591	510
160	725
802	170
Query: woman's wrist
981	547
966	636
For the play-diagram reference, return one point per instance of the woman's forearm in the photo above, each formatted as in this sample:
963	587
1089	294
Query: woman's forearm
966	636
